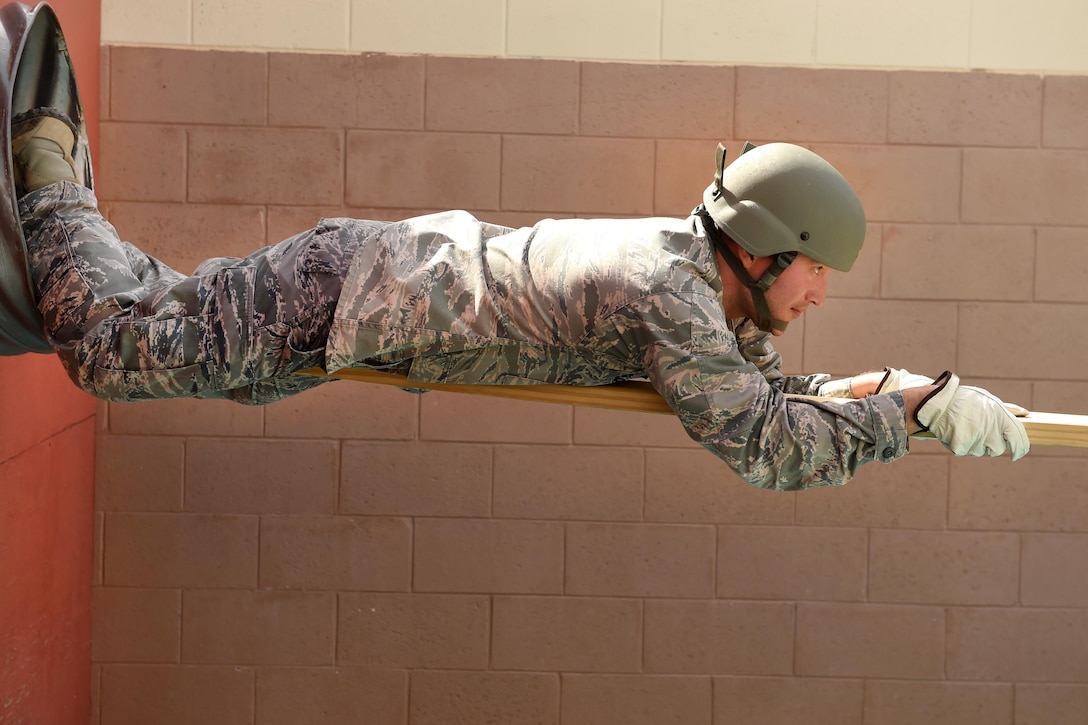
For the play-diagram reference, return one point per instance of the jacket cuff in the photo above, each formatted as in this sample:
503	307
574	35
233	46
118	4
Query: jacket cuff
889	415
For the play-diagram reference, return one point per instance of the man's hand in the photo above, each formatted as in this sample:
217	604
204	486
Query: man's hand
901	380
968	421
904	380
875	382
841	388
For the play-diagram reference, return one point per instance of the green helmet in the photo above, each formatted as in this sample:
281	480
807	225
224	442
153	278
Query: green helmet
784	198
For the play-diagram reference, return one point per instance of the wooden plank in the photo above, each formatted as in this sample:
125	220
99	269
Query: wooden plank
636	397
1057	429
1043	429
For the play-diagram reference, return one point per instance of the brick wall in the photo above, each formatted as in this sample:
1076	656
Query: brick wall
359	554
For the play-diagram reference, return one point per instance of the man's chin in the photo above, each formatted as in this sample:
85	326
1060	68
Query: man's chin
793	314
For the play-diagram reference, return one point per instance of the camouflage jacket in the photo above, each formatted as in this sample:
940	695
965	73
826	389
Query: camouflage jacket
590	302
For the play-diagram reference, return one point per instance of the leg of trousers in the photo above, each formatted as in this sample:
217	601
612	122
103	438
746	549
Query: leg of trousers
127	327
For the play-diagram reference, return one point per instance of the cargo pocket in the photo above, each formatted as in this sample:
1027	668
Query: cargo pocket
306	342
166	353
150	358
319	278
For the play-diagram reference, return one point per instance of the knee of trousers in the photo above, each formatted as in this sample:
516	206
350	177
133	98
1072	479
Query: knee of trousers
234	329
201	342
133	361
199	356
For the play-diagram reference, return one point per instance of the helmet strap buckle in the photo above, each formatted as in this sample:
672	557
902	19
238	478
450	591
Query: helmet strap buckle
781	261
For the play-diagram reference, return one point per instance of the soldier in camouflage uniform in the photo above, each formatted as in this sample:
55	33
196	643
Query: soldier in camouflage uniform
690	304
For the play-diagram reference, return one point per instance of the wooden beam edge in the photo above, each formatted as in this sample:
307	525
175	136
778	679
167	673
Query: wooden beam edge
1043	429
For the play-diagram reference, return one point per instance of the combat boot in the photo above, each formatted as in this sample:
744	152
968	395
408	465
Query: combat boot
41	150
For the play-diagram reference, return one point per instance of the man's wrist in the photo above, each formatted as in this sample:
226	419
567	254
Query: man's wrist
866	383
912	398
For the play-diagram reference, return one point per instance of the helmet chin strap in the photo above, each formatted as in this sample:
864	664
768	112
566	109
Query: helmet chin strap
758	287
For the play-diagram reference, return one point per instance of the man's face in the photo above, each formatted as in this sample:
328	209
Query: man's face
802	284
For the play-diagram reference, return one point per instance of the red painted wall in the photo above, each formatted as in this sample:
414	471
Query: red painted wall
47	437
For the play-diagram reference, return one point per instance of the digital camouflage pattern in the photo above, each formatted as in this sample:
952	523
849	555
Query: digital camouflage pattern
127	327
447	298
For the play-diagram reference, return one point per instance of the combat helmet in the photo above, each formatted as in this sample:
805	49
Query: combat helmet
780	200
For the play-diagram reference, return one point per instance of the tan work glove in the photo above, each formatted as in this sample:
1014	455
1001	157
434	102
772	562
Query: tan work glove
836	389
893	380
902	379
970	421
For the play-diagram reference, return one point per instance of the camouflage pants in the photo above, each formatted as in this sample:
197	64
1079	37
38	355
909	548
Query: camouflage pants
127	327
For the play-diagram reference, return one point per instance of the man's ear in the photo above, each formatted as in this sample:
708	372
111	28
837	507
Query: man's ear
747	259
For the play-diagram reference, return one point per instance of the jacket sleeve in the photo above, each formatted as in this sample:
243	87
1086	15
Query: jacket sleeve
727	405
756	347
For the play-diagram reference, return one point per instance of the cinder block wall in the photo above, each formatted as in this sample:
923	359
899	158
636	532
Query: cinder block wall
360	554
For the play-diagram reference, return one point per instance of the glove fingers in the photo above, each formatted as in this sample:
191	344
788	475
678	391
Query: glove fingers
977	423
1018	410
901	380
1013	433
998	443
1012	430
1019	445
1009	435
